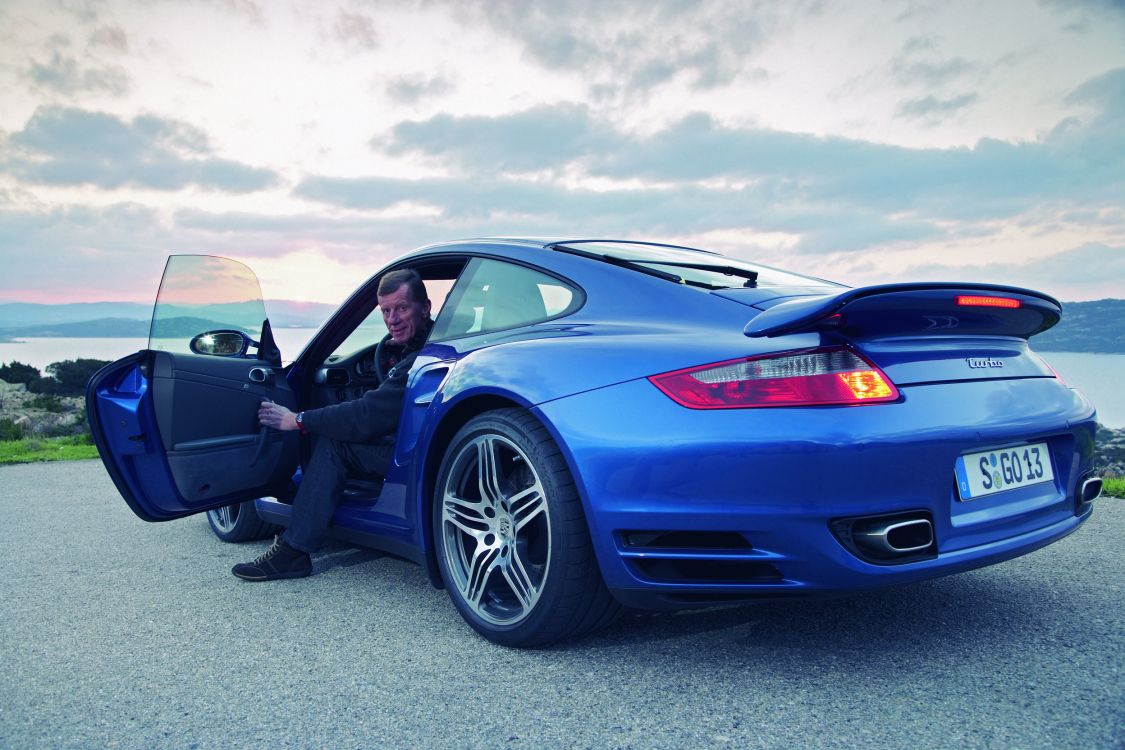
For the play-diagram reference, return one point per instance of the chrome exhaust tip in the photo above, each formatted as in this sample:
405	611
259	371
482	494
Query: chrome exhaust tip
897	537
1091	490
890	539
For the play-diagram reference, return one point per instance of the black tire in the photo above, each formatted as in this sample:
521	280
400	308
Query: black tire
240	523
514	550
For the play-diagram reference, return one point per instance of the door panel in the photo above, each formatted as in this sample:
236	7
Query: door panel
177	446
207	413
178	429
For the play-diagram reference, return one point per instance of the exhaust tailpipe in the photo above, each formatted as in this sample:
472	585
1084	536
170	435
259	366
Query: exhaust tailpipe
1091	490
891	538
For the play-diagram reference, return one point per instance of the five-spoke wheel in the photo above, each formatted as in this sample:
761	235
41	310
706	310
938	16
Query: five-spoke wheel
511	537
496	531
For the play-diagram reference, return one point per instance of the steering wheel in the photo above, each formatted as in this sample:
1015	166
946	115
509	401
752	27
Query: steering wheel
382	357
387	355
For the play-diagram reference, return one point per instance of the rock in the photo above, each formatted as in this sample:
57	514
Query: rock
1109	452
19	405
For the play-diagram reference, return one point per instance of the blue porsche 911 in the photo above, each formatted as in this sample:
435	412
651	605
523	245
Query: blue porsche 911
597	423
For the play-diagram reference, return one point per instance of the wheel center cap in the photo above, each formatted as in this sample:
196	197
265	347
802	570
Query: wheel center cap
505	526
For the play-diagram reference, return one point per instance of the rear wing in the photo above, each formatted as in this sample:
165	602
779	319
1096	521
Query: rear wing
922	309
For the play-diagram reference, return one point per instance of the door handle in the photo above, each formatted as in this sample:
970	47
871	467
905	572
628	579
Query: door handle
261	375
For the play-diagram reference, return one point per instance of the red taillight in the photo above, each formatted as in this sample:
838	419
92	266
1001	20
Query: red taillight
806	378
970	301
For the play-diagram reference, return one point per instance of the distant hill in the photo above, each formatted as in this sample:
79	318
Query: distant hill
130	319
1096	327
99	328
19	314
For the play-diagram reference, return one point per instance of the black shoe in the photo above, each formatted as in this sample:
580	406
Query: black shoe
279	561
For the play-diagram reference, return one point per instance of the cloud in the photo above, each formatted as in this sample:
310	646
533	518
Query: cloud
1112	6
627	49
1105	92
537	138
933	109
85	253
74	245
1081	162
924	43
112	37
563	169
1091	271
930	73
355	30
515	206
410	89
247	9
63	75
67	146
84	10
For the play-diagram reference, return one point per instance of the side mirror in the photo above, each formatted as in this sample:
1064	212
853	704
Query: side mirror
222	343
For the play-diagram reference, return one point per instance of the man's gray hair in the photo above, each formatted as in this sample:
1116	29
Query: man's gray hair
390	283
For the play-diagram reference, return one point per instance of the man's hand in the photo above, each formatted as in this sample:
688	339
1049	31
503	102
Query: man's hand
276	416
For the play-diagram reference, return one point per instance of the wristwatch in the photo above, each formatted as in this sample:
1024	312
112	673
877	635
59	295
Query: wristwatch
300	418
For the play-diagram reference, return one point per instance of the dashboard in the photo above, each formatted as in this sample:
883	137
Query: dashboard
347	377
343	378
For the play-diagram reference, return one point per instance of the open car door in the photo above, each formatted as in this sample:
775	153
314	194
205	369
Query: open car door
176	424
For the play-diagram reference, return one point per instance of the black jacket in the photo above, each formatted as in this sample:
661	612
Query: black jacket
376	414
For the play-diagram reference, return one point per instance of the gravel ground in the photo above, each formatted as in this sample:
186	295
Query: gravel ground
122	634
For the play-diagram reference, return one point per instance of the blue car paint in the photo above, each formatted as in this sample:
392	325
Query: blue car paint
776	475
122	420
123	424
671	468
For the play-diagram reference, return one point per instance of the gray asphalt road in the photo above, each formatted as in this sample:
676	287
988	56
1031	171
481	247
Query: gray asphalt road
118	633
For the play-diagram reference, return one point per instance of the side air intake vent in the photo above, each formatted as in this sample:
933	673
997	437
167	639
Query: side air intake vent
707	571
704	540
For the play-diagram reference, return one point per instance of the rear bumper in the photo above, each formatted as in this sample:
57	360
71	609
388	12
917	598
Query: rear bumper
813	567
691	508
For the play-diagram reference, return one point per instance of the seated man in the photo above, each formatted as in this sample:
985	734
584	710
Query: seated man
351	435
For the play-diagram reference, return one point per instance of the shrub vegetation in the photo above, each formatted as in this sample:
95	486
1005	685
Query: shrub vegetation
9	430
18	372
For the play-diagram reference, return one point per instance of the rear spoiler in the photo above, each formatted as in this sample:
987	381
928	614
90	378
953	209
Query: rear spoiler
933	308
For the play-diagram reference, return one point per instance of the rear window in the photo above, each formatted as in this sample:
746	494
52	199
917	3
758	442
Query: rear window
697	267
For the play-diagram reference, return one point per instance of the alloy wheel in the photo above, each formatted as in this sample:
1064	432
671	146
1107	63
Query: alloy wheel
225	518
495	529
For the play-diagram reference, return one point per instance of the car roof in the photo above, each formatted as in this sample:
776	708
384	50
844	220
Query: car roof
548	242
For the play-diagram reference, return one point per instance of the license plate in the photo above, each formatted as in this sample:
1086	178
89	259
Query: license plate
989	472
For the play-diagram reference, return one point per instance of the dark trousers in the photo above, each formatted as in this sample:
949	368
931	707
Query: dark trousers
322	485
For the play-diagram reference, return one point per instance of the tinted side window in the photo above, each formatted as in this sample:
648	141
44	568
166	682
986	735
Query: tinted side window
492	295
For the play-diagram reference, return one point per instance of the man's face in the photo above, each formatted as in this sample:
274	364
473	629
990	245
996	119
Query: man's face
402	313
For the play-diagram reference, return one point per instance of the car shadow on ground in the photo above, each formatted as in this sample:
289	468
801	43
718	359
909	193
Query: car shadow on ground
970	611
339	556
964	613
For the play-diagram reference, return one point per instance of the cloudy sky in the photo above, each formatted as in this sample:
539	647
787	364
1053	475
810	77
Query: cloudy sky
861	141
